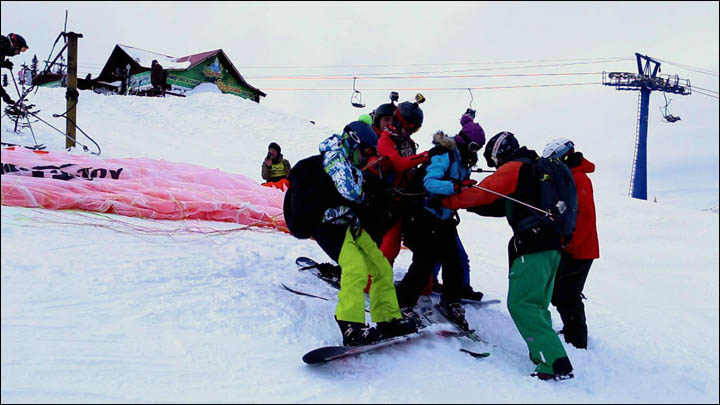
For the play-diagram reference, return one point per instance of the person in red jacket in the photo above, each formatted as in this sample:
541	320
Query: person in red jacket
399	152
578	255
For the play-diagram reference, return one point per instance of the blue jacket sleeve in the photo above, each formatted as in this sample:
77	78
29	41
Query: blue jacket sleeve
434	176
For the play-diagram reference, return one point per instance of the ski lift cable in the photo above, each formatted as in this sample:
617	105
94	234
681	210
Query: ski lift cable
477	69
345	77
704	94
433	88
433	64
688	67
708	90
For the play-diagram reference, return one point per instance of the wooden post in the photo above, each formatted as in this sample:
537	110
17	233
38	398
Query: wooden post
71	95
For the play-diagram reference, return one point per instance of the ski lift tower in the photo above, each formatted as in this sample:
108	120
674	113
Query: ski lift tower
646	80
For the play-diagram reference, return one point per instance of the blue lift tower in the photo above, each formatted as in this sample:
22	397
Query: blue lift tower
646	80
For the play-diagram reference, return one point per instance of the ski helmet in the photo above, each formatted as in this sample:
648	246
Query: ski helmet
360	134
17	42
383	110
410	115
500	148
557	148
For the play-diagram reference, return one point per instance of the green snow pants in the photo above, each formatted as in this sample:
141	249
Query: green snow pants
360	257
532	277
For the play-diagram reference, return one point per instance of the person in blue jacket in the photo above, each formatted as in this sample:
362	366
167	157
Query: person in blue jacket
472	130
432	233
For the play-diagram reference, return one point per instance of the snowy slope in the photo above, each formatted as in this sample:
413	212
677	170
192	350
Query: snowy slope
103	308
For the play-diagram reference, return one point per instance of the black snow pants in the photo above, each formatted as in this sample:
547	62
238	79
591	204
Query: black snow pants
567	298
432	241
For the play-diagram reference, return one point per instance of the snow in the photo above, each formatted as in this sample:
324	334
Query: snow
204	88
145	58
104	308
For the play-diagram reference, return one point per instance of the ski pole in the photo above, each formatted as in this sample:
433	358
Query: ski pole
547	213
19	105
481	170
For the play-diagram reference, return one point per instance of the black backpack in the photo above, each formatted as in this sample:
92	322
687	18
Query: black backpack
557	194
310	194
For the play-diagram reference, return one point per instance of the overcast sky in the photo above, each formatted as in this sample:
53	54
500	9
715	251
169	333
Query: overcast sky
429	41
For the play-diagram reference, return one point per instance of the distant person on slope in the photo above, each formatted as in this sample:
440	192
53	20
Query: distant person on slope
533	250
275	168
577	257
10	45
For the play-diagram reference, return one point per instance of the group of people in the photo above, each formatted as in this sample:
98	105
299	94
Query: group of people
374	191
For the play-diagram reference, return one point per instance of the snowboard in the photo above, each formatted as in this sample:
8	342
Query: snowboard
330	353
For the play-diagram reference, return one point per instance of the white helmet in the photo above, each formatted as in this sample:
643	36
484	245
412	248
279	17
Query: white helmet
557	148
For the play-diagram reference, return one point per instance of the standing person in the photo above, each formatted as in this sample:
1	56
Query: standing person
471	138
342	233
399	153
533	250
397	147
157	78
578	255
275	168
431	233
10	45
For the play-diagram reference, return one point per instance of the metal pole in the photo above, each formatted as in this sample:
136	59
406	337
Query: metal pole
640	179
71	95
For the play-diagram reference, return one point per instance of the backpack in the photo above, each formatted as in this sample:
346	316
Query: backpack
557	194
310	194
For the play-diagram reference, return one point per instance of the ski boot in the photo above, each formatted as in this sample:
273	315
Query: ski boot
455	313
358	334
329	272
562	370
469	294
396	327
409	314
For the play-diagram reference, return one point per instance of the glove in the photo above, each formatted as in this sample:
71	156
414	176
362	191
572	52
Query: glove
461	185
7	64
7	99
423	157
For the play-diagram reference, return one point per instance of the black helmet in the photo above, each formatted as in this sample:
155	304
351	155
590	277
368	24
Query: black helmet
500	148
410	115
382	111
17	42
360	133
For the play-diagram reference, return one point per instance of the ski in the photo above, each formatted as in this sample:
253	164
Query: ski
474	303
298	292
330	353
471	335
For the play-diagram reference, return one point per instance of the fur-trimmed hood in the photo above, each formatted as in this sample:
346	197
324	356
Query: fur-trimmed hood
447	142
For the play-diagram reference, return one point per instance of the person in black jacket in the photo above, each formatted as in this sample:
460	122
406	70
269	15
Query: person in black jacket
157	78
10	45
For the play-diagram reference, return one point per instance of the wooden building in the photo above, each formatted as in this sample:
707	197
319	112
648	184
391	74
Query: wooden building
182	74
